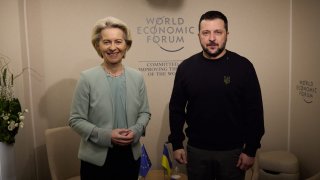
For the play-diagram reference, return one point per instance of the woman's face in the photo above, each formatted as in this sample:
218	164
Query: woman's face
112	45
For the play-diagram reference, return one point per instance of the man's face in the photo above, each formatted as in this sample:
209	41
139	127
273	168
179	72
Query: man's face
213	38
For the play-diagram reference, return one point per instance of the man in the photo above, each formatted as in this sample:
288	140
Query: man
217	93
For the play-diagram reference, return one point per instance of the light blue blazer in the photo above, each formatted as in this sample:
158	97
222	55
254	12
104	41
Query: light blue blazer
92	107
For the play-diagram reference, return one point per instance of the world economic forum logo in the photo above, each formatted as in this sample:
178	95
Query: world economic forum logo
307	90
168	33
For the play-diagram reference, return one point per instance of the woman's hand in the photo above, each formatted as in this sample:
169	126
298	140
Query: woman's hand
122	137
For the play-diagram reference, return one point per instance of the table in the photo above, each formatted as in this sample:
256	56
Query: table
159	175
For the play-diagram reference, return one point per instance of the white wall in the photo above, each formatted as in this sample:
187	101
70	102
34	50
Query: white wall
13	45
60	36
56	45
305	114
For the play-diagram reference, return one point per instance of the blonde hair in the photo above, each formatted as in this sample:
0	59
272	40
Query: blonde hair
109	22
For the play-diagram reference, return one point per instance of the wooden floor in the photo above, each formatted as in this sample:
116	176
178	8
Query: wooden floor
159	175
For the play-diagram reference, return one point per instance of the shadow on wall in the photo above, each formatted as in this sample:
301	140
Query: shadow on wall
55	104
165	130
42	157
163	138
166	4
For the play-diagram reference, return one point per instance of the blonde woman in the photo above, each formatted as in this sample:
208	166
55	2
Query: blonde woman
110	108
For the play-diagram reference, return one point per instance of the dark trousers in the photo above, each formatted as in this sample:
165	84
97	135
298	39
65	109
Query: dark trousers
119	164
213	165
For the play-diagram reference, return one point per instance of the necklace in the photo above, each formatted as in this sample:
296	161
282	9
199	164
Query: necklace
115	74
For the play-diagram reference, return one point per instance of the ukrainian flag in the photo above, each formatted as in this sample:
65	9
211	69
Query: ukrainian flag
166	160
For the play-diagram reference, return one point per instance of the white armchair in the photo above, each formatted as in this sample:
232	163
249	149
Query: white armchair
62	149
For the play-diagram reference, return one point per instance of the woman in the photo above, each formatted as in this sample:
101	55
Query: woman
110	108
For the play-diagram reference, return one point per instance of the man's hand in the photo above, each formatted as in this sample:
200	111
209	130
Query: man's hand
180	156
122	137
245	162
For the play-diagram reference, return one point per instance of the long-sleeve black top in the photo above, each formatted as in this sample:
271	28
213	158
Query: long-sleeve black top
220	100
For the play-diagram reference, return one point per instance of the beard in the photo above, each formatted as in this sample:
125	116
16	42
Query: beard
217	52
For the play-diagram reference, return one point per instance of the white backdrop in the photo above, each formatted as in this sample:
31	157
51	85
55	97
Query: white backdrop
53	38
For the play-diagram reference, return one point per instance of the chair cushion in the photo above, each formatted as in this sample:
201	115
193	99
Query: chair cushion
279	161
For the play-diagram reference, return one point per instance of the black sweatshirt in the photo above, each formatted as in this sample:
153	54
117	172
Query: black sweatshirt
220	100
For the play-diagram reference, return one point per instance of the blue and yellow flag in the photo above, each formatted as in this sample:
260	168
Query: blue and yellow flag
166	160
145	163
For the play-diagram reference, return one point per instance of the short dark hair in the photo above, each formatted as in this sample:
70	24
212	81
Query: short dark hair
211	15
